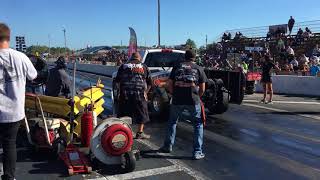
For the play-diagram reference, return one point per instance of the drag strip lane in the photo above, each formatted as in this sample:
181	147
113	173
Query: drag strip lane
280	161
281	110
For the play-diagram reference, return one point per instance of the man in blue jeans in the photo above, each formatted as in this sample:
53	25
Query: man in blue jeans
187	84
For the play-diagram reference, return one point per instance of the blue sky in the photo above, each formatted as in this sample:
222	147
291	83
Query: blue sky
106	22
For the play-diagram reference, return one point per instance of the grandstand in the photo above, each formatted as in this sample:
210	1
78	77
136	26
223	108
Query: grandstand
257	37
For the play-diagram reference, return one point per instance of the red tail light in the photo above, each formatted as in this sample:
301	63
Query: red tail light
166	50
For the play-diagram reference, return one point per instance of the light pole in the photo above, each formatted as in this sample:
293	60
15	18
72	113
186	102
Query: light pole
49	44
158	23
206	42
65	41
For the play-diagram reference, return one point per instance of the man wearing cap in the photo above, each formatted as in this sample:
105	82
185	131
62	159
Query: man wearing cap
134	80
186	84
58	83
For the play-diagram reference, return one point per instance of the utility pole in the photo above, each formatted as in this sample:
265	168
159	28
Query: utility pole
206	41
65	41
49	44
159	23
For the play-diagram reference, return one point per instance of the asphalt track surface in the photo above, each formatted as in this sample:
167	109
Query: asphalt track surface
250	141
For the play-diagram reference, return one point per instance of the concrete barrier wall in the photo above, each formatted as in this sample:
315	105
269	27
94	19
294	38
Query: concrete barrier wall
282	84
96	69
294	85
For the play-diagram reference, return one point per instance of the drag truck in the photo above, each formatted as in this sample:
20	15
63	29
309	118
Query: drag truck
222	88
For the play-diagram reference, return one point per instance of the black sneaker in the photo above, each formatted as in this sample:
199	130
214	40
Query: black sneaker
164	149
142	135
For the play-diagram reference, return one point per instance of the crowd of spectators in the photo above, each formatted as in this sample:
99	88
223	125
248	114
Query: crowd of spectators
113	56
279	44
227	36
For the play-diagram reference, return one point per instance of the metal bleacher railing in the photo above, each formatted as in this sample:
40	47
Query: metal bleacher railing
260	32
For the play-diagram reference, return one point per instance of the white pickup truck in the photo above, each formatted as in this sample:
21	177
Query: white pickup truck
160	63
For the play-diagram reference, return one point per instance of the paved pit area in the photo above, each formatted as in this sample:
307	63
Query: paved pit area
250	141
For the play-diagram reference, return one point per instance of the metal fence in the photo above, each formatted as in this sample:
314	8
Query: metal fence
262	31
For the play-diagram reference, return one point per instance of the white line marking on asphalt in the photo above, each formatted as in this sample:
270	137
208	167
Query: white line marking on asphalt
145	173
278	160
284	102
250	132
281	110
181	165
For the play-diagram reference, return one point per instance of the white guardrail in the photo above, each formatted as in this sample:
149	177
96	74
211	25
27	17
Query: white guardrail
282	84
294	85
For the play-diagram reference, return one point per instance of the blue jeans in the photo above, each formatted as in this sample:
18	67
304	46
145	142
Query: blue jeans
189	112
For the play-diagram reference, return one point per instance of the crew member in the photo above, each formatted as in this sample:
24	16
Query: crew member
266	79
133	79
187	85
15	67
58	83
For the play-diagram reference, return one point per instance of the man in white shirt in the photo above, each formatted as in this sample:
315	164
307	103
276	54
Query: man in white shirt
290	51
15	67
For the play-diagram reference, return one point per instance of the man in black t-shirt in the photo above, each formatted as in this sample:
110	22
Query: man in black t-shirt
266	79
187	85
134	80
58	83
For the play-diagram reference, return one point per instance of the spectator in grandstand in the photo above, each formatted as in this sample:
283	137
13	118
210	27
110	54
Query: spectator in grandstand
229	36
314	69
224	37
240	34
295	64
290	54
300	32
308	30
290	51
266	79
307	34
299	36
269	34
316	50
303	59
291	24
314	59
280	45
287	68
236	36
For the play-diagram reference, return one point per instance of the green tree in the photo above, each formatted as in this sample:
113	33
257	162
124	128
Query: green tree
191	44
55	51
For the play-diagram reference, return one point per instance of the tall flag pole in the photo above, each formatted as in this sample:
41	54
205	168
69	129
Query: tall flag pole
133	44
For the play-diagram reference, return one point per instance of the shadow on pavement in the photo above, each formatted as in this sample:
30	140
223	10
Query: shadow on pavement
156	154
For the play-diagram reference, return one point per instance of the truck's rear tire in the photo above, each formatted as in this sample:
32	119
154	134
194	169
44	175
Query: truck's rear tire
250	87
222	104
158	108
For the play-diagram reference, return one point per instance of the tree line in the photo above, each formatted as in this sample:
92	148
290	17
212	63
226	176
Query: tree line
54	51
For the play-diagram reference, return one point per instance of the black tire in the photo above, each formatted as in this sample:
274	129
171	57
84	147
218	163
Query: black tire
129	163
222	103
159	107
250	87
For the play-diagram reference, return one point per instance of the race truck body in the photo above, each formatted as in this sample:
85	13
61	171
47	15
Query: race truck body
222	86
